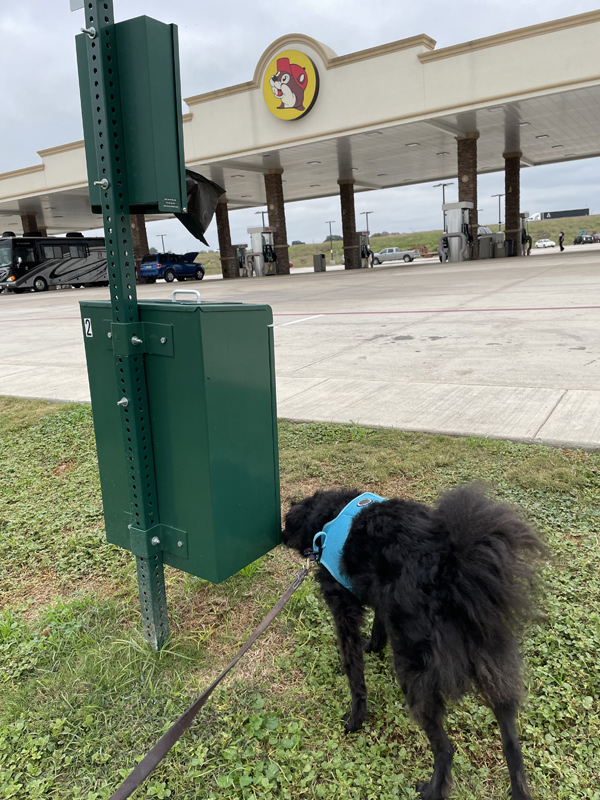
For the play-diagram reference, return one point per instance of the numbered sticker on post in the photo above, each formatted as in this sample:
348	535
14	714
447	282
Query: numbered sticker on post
87	326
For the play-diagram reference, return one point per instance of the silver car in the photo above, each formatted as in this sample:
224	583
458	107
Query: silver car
394	254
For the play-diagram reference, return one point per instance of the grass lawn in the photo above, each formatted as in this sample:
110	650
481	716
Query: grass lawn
82	699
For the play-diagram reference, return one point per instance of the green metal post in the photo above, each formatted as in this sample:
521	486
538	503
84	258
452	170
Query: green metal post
126	326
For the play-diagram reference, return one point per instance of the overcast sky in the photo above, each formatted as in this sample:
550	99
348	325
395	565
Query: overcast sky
220	44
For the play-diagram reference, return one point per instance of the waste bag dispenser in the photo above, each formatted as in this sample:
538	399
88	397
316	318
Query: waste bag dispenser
212	428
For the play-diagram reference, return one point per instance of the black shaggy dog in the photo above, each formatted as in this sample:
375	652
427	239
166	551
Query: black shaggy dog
449	584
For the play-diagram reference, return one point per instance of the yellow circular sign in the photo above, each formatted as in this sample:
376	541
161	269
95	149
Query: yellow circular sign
290	85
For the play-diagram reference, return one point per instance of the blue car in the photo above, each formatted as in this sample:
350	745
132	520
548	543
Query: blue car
170	266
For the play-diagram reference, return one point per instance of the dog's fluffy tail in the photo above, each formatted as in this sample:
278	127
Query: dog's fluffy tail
492	560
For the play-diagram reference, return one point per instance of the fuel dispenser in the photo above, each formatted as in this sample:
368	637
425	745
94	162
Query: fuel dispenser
455	245
366	254
240	255
262	258
525	241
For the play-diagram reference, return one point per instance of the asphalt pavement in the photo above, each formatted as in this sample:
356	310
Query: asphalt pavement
506	348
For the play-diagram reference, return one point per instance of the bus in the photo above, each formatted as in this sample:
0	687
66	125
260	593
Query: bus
37	263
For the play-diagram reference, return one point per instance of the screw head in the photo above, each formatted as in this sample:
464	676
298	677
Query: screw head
179	544
155	540
109	334
163	340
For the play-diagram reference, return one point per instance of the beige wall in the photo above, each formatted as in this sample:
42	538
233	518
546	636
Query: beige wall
352	97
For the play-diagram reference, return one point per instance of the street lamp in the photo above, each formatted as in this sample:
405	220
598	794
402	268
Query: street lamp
499	211
330	222
443	185
263	217
161	236
366	215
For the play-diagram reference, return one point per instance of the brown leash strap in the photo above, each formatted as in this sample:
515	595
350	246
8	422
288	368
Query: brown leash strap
166	742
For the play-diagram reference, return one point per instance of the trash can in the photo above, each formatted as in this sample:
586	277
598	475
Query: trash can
486	245
509	247
319	262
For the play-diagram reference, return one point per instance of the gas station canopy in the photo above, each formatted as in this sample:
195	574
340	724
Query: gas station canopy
381	118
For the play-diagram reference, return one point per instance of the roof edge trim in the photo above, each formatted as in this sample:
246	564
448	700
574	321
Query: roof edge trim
541	29
330	59
61	148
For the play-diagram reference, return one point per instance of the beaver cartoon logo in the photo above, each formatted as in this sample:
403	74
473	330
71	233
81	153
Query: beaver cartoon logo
290	85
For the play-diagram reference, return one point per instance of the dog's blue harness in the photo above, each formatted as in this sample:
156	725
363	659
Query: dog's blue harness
328	543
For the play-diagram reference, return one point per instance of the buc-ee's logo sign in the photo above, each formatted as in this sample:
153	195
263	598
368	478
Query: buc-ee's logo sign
290	85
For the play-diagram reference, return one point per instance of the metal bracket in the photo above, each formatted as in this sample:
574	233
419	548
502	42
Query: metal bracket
158	539
135	338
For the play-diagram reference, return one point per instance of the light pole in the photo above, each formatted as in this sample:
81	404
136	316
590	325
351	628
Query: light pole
263	217
161	236
443	185
366	215
330	222
499	211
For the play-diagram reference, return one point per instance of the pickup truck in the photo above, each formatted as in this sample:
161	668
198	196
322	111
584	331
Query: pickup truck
394	254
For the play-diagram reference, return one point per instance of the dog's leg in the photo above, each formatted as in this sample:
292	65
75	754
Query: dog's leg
430	717
506	714
378	638
348	616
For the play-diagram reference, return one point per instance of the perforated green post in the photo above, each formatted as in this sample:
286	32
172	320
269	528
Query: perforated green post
108	136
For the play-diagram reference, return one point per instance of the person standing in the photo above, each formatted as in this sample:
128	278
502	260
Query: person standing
561	239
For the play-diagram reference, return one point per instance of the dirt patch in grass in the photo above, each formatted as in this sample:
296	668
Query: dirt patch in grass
62	468
41	588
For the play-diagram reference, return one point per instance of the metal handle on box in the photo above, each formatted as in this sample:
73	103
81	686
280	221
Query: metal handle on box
187	291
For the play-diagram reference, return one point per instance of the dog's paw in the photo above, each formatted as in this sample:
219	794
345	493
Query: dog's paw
424	790
352	723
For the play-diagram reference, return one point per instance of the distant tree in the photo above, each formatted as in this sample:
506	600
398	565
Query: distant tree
383	233
153	251
334	238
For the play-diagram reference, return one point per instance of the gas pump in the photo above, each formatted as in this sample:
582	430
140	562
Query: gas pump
262	259
366	254
458	238
525	241
240	255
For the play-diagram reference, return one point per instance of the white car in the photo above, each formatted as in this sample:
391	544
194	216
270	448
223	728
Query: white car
545	243
394	254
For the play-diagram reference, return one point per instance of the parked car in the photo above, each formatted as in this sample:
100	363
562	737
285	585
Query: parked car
584	238
297	241
596	237
545	243
394	254
170	266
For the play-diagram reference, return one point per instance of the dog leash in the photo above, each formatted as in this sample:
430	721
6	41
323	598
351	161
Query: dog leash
166	742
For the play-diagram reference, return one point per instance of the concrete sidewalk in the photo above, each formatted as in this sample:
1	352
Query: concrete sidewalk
507	348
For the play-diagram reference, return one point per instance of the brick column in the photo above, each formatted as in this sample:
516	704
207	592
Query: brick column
351	254
29	223
512	199
467	183
276	207
229	265
139	239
